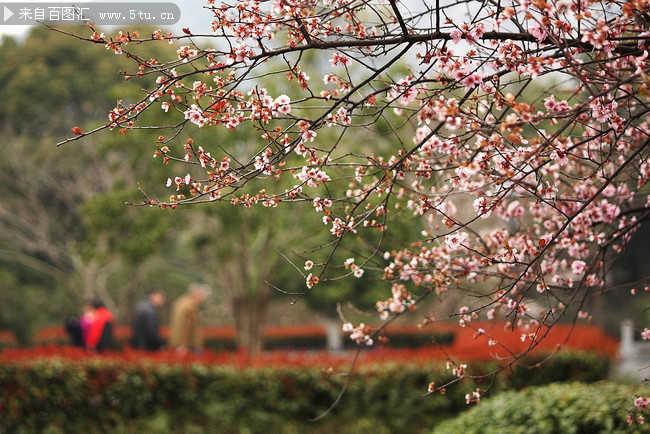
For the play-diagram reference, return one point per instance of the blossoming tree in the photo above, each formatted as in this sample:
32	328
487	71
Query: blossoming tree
521	198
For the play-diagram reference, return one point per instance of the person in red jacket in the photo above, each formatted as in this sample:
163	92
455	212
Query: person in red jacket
100	330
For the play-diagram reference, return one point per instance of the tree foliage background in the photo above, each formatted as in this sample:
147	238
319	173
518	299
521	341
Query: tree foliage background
70	237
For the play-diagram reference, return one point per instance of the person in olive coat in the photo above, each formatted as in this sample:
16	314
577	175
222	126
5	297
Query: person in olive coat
184	327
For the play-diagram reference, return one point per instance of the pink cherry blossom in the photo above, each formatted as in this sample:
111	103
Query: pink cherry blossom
482	207
578	267
455	240
339	59
642	402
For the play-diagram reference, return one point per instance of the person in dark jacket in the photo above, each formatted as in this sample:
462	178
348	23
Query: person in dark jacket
73	329
146	333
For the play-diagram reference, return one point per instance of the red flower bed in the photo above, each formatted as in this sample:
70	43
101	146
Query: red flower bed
467	345
133	357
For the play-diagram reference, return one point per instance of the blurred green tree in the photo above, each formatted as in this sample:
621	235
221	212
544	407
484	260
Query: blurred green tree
56	201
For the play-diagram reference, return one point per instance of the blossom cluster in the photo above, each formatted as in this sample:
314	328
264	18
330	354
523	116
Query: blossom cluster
641	403
360	334
401	301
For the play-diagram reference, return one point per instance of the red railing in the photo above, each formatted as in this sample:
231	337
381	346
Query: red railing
8	339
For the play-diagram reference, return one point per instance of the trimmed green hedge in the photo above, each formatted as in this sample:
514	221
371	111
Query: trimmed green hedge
317	341
68	398
105	395
565	408
563	366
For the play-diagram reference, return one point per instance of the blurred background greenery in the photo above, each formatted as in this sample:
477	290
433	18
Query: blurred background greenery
68	236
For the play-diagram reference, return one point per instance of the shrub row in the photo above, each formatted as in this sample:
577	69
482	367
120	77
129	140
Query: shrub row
567	408
105	393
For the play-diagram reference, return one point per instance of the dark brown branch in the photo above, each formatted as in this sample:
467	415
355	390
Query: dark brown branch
400	19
